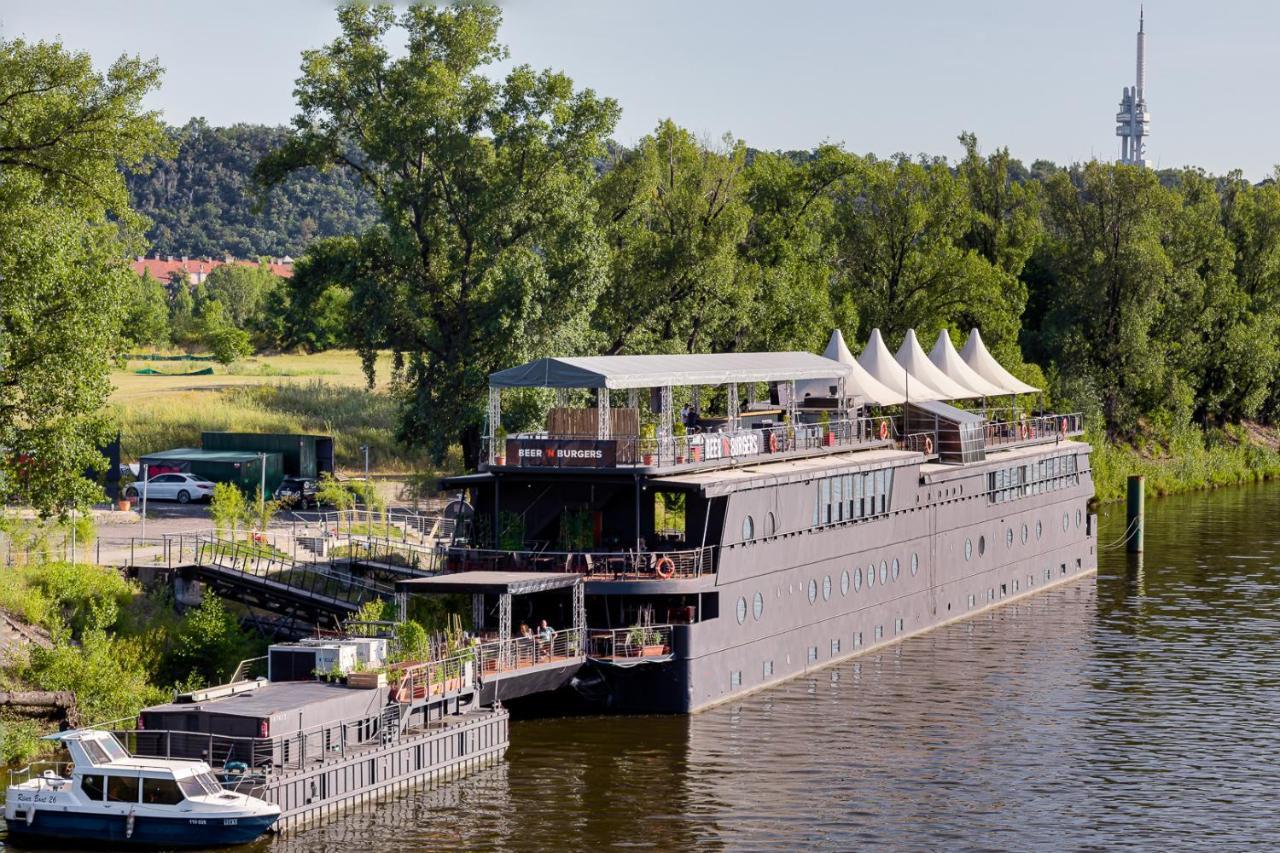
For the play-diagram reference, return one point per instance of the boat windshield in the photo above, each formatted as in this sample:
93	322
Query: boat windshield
199	785
114	750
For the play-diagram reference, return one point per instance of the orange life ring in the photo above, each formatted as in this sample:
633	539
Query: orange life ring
928	446
1026	431
1064	427
773	442
664	568
884	430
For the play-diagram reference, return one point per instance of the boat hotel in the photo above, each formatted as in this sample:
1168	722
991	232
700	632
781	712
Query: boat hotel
795	510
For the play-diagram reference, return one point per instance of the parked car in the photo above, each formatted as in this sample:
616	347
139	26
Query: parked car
182	488
298	492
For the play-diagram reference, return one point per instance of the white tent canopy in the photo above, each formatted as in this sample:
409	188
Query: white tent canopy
911	356
857	383
656	371
946	359
976	355
885	369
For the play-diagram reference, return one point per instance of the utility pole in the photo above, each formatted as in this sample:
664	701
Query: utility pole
145	467
262	490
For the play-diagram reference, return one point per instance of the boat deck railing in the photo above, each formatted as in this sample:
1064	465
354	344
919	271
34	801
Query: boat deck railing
599	565
50	775
499	657
635	643
1034	429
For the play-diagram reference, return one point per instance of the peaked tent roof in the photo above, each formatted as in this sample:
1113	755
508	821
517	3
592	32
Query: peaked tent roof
857	383
946	359
912	357
655	371
976	355
882	366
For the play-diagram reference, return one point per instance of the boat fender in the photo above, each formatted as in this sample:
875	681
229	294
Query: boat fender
773	442
884	430
928	446
31	814
664	568
128	824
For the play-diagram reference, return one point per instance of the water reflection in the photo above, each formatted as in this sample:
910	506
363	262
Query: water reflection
1134	709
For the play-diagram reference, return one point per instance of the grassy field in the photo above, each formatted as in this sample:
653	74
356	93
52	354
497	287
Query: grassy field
323	393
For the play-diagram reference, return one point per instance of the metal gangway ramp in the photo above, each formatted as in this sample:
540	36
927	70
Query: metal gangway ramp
261	576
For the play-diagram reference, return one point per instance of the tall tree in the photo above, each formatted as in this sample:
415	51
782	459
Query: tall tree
674	212
146	319
488	249
65	229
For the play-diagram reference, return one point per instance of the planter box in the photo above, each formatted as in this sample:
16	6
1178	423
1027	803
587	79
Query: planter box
829	439
366	680
652	651
123	504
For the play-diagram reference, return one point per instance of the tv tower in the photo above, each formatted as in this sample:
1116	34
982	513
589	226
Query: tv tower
1133	120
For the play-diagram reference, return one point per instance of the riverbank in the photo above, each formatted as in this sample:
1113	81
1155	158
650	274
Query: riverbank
1188	460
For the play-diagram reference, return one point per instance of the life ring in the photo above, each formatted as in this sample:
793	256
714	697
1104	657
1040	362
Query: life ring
773	442
664	568
928	446
884	430
1026	431
1064	427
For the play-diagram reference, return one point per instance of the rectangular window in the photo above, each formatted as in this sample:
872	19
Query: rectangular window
857	640
92	786
1004	590
161	792
122	789
735	678
1015	585
991	593
768	669
897	626
972	600
879	632
837	497
835	647
848	493
826	501
1048	574
1064	568
857	495
813	654
888	487
882	488
1079	564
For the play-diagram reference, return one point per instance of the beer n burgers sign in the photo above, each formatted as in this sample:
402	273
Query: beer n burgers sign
561	453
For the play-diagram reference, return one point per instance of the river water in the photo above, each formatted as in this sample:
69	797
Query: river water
1134	709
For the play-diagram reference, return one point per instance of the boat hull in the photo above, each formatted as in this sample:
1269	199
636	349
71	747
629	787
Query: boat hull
148	831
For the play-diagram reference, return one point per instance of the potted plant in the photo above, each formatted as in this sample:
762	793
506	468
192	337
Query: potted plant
828	437
648	435
500	450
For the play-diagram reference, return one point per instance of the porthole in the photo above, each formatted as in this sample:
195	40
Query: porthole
1079	517
982	545
757	606
770	525
1024	534
1039	529
857	579
813	590
895	568
748	529
826	588
1008	537
884	571
742	610
871	575
915	564
844	582
968	549
1066	521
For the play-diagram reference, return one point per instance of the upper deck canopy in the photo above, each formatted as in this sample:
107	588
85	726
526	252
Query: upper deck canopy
976	355
657	371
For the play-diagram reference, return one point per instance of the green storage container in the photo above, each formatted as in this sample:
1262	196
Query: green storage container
304	455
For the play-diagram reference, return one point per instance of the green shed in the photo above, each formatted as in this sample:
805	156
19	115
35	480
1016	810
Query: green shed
219	466
304	455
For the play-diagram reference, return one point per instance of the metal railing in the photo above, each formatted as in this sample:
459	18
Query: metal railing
266	564
639	641
419	682
501	656
249	669
46	773
607	565
729	445
1031	430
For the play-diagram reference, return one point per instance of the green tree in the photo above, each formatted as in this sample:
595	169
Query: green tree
316	300
146	321
227	343
182	315
227	508
674	213
900	264
208	645
241	290
488	251
65	228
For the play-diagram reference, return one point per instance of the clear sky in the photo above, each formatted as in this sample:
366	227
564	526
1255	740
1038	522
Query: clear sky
1041	77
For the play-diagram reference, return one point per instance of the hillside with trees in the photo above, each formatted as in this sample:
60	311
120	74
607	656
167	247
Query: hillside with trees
202	201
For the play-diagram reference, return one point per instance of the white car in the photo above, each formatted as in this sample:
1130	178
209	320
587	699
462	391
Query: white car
182	488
